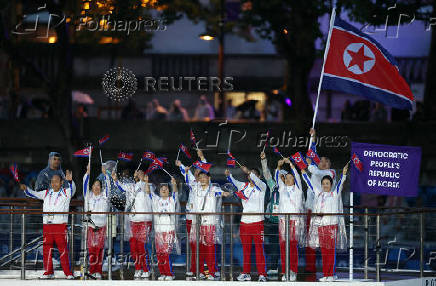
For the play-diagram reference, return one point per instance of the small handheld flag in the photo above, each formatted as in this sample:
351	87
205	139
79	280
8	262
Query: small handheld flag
83	153
299	161
152	168
14	171
127	157
313	155
149	156
266	142
230	155
163	159
185	151
357	163
276	150
192	136
103	140
205	167
231	162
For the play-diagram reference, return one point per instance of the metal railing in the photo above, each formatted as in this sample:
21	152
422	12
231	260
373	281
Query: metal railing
379	234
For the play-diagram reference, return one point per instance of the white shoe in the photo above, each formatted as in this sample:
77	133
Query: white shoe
330	279
335	277
46	276
323	279
137	275
244	277
145	275
292	276
217	274
161	278
97	276
169	278
202	276
284	278
211	278
262	278
70	277
189	273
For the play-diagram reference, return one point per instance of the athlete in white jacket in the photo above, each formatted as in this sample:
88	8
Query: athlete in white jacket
291	201
164	225
56	199
325	230
96	201
252	195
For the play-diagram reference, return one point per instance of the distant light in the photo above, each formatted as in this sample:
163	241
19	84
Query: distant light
275	91
52	40
207	37
285	31
86	6
288	101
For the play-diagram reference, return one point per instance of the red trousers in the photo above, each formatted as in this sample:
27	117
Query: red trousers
140	232
207	249
293	249
250	232
96	240
327	241
55	233
193	247
164	242
310	252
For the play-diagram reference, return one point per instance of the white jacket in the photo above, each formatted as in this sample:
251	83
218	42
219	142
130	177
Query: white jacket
291	197
189	180
139	201
326	202
205	201
164	222
54	202
253	198
95	203
316	176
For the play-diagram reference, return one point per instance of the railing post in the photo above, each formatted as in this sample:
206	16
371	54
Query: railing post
84	245
23	244
153	273
11	229
421	244
377	257
231	242
287	246
72	241
109	246
122	246
366	243
197	246
188	260
223	249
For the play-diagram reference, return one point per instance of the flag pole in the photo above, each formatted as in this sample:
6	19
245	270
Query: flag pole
167	172
266	142
351	237
139	165
178	152
101	157
326	51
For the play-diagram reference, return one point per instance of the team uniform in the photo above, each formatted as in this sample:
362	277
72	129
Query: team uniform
55	226
206	200
251	227
140	225
327	232
291	201
190	180
317	175
165	231
97	229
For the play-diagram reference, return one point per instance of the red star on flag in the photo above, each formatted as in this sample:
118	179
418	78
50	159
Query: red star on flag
359	58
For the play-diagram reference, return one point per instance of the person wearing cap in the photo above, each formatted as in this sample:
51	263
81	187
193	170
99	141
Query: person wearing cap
252	195
291	201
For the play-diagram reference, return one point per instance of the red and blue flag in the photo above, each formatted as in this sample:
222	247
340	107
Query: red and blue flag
299	161
14	171
205	167
149	156
103	140
185	151
125	156
357	163
313	155
84	153
276	150
357	64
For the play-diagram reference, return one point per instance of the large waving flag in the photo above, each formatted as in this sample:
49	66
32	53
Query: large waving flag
356	64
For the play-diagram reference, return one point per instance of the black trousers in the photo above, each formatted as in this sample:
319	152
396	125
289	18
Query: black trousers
272	246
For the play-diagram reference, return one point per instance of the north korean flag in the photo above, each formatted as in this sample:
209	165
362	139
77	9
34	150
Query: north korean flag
103	140
153	167
313	155
159	161
276	150
84	153
230	155
231	162
192	136
14	171
299	161
357	163
125	156
185	151
357	64
205	167
149	156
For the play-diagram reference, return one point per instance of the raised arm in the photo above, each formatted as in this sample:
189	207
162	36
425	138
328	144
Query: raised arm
86	182
238	184
340	184
294	173
31	193
308	181
265	170
277	174
258	182
70	183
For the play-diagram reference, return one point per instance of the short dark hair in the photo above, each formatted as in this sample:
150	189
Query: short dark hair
257	171
203	172
57	175
327	177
